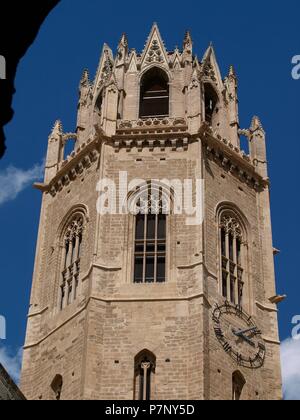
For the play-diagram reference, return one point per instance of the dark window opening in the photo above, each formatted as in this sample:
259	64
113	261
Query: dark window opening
56	387
144	374
211	102
238	383
71	262
232	271
99	103
150	242
154	100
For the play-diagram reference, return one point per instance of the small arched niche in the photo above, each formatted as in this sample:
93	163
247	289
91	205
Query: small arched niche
154	94
238	383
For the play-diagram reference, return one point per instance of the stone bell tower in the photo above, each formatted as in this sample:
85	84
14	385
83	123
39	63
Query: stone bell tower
153	303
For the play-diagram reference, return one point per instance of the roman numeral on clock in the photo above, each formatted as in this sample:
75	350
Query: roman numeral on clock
219	332
227	347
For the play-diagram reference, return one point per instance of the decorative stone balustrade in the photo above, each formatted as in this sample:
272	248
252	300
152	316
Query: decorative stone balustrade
174	124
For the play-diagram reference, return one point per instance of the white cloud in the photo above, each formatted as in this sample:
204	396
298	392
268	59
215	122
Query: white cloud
11	362
13	181
290	361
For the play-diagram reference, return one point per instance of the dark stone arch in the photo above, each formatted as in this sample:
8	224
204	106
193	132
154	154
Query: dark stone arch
16	36
154	93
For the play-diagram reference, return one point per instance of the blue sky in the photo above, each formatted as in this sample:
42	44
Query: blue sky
259	38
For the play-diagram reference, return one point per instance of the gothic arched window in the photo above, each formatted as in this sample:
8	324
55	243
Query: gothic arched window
145	364
71	261
211	103
150	238
56	387
154	96
238	383
231	238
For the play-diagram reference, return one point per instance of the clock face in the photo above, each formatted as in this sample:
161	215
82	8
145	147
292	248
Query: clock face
239	336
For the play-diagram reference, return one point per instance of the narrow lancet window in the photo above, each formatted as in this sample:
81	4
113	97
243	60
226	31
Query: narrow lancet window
71	262
150	239
144	376
231	260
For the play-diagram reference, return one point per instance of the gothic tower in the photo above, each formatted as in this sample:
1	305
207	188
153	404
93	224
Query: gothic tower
154	273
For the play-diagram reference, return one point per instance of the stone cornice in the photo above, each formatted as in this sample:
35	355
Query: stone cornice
168	133
161	141
79	160
232	159
117	300
157	132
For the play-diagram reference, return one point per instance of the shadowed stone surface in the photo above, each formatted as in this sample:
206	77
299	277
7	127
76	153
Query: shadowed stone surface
8	389
16	36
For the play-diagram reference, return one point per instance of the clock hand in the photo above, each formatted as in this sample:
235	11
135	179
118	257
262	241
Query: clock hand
247	340
241	335
242	332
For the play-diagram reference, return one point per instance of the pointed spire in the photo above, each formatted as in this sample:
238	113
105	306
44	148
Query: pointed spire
57	129
256	124
85	78
187	48
123	41
122	51
188	42
232	71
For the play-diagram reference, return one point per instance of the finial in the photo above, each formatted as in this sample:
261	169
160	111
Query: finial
188	42
232	71
85	78
123	41
256	124
57	129
57	126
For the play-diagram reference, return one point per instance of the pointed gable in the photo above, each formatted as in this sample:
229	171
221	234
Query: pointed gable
176	60
187	48
133	62
105	68
210	69
155	51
